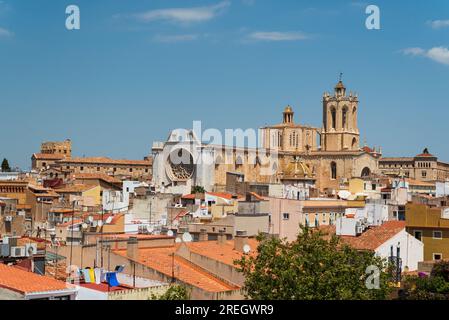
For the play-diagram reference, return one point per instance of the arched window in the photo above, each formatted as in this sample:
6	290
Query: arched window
345	117
334	118
354	118
238	162
354	143
366	172
333	170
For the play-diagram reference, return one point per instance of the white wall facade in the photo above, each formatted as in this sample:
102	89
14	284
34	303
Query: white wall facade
411	249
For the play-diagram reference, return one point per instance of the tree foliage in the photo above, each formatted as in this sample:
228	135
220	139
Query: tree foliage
198	189
433	287
314	267
175	292
5	166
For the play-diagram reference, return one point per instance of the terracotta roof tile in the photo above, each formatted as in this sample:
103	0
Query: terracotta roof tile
105	160
75	188
25	282
48	156
372	238
224	253
160	259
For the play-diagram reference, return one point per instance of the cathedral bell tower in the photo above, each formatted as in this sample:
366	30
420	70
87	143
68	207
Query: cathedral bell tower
340	131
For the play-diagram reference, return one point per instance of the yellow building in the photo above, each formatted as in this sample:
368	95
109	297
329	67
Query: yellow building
431	226
86	195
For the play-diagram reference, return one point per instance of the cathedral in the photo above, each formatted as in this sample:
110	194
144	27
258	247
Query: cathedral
325	157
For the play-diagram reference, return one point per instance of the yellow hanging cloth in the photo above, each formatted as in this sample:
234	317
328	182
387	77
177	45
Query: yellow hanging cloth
92	275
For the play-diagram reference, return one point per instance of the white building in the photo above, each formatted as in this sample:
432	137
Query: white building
182	162
387	240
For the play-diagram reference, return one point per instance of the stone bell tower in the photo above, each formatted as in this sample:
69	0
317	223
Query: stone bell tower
340	131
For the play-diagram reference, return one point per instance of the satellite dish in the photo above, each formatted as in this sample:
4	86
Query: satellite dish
108	220
85	226
178	240
100	223
187	237
170	233
246	249
150	229
91	218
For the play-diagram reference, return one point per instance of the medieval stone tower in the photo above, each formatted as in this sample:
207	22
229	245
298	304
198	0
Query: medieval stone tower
340	131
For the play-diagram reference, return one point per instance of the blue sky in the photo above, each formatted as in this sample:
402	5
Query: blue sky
139	68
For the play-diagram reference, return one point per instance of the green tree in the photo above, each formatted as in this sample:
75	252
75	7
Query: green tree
198	189
5	166
433	287
175	292
314	267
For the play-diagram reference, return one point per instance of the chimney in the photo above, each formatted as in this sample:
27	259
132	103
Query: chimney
241	239
132	248
203	235
222	237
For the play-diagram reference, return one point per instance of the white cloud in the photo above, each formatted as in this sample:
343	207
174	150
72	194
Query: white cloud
184	15
176	38
438	54
5	33
278	36
413	51
438	24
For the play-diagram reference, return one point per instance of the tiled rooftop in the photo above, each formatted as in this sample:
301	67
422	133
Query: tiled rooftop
372	238
25	282
105	160
160	259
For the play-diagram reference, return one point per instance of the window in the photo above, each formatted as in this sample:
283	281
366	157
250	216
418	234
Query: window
345	117
130	169
82	168
98	168
286	216
418	235
438	235
333	170
424	174
324	218
437	256
334	118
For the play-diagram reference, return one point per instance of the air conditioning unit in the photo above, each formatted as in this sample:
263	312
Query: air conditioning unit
17	252
30	249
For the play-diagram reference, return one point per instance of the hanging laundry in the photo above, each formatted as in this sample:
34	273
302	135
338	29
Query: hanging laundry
103	276
92	275
86	275
119	268
97	275
112	279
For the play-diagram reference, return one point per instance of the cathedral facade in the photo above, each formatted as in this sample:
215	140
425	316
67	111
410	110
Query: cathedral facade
289	153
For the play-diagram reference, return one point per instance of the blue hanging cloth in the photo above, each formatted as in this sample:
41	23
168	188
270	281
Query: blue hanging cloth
111	278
